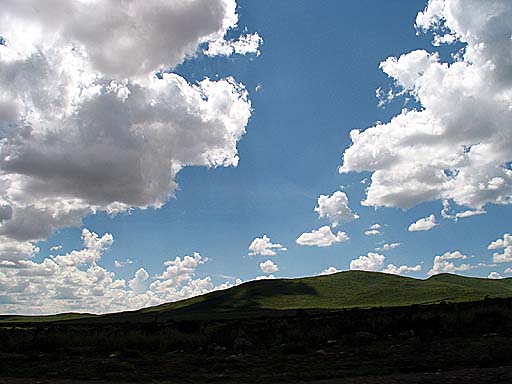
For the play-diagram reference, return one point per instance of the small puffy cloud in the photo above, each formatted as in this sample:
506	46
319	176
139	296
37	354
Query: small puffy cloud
494	275
373	230
180	270
456	145
393	269
56	248
269	267
139	282
121	264
425	224
335	208
506	243
508	270
388	246
329	271
243	45
371	262
442	263
322	237
264	247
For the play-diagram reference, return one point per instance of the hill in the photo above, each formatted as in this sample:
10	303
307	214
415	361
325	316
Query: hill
342	290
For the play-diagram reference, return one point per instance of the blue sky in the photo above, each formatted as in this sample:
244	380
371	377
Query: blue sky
312	82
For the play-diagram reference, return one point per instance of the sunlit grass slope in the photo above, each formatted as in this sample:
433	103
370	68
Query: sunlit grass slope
341	290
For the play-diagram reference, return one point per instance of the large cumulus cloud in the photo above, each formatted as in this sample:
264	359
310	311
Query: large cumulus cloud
458	144
121	39
85	125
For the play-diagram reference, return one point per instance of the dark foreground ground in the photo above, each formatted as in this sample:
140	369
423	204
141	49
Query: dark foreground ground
442	343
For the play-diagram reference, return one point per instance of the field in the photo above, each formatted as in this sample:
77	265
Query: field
360	326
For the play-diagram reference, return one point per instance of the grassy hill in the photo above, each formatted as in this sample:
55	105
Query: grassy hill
337	291
332	292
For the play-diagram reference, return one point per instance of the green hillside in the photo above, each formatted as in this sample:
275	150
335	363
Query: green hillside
337	291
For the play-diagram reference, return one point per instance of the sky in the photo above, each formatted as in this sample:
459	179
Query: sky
153	151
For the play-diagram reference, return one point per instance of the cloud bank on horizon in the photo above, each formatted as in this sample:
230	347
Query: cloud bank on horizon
75	282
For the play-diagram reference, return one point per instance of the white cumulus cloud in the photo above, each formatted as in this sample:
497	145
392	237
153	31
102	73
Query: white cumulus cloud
121	41
322	237
424	224
373	230
371	262
506	244
264	247
335	208
269	267
375	262
442	263
139	282
458	144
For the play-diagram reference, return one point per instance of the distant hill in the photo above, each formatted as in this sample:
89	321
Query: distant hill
331	292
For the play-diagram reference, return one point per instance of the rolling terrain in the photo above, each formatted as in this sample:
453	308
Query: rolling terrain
351	289
343	290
